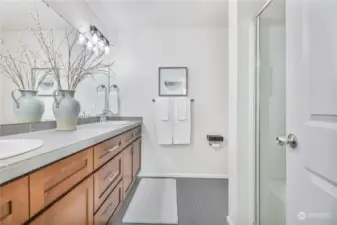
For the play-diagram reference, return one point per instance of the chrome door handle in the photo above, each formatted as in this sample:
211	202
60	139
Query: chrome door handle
290	140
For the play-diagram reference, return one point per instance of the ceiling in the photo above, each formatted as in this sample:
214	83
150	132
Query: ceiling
123	14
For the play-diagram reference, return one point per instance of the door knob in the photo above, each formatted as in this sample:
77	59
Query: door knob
290	140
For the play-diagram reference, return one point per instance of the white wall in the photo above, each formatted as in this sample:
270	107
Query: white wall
204	51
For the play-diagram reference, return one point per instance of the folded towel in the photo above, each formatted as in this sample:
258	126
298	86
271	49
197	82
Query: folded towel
163	122
163	109
181	107
182	122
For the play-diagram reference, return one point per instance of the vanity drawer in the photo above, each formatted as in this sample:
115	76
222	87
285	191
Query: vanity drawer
105	213
49	183
14	206
131	135
106	150
137	132
105	180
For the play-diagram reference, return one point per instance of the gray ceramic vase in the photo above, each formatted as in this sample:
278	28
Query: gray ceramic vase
66	110
28	107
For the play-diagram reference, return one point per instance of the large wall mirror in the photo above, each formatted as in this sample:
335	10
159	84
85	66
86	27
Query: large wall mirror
20	43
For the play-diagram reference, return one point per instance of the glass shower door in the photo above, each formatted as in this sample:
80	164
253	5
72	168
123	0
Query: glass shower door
271	115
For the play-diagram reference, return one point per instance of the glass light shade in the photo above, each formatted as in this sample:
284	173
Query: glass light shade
101	44
95	38
106	49
95	50
81	39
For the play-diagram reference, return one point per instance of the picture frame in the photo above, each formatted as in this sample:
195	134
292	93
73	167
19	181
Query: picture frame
173	81
49	84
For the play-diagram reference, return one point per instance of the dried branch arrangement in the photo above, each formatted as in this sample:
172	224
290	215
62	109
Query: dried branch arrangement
17	67
67	60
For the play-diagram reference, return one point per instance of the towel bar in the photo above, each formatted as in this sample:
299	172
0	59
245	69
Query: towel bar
154	100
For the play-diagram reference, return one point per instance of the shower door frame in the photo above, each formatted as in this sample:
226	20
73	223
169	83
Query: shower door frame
256	49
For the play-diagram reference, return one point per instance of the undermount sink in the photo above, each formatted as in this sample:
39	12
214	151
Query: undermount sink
13	147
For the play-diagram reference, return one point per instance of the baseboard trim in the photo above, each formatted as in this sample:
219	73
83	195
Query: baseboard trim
184	175
229	221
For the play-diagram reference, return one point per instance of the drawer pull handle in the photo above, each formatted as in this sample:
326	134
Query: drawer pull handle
64	169
112	178
130	138
115	148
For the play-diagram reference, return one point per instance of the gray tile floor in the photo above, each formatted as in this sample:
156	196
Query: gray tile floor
200	202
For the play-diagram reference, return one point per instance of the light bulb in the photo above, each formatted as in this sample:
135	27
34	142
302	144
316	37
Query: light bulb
81	39
89	45
101	44
95	38
106	49
95	49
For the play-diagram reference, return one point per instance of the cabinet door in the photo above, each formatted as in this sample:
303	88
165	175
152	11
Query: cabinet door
109	208
136	158
49	183
127	169
14	207
75	208
106	179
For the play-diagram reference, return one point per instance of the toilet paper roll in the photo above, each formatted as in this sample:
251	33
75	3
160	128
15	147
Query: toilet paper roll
215	145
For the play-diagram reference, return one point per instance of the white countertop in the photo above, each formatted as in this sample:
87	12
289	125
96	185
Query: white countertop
59	144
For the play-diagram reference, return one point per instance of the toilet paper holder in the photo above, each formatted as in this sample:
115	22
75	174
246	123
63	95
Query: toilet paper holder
215	140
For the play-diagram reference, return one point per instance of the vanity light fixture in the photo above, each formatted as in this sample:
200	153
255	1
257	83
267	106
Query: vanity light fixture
95	38
97	42
101	44
107	50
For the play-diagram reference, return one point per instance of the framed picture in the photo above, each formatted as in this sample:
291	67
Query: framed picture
48	85
173	81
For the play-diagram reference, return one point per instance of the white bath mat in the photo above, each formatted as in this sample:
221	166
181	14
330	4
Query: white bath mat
155	202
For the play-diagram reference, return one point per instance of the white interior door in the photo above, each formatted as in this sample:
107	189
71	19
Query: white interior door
311	44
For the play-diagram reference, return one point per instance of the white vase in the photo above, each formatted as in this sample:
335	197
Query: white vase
66	110
28	108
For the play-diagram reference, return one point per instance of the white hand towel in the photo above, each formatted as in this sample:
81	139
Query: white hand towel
163	122
163	109
114	102
182	126
181	107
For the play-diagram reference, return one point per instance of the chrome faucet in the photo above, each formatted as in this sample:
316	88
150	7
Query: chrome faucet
106	111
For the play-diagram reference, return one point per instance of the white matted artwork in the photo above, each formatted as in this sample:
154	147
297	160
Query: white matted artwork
173	81
46	81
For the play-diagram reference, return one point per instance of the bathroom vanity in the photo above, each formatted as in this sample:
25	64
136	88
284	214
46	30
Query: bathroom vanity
80	177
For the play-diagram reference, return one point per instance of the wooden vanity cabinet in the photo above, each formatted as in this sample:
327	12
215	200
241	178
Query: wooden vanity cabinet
75	208
49	183
14	202
86	188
